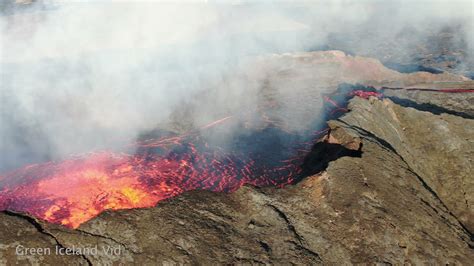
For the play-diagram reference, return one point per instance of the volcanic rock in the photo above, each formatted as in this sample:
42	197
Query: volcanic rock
422	97
438	148
18	232
440	48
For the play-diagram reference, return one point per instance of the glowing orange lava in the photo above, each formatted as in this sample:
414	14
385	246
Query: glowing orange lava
73	191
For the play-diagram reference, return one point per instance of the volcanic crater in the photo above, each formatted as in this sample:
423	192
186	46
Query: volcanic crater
351	171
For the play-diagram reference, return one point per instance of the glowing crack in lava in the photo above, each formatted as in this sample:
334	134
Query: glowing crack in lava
73	191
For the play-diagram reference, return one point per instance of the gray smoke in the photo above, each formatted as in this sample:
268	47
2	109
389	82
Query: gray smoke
77	77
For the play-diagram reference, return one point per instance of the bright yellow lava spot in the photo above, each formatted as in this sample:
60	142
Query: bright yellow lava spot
133	195
78	216
50	212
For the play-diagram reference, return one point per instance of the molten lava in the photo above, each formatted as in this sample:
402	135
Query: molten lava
72	192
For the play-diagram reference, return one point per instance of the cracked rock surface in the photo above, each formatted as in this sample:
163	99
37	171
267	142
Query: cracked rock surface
438	148
459	104
18	232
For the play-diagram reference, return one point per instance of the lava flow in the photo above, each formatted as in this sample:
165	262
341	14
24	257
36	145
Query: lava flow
74	191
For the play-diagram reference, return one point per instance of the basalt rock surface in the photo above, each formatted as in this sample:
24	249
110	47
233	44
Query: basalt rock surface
438	148
460	104
396	187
